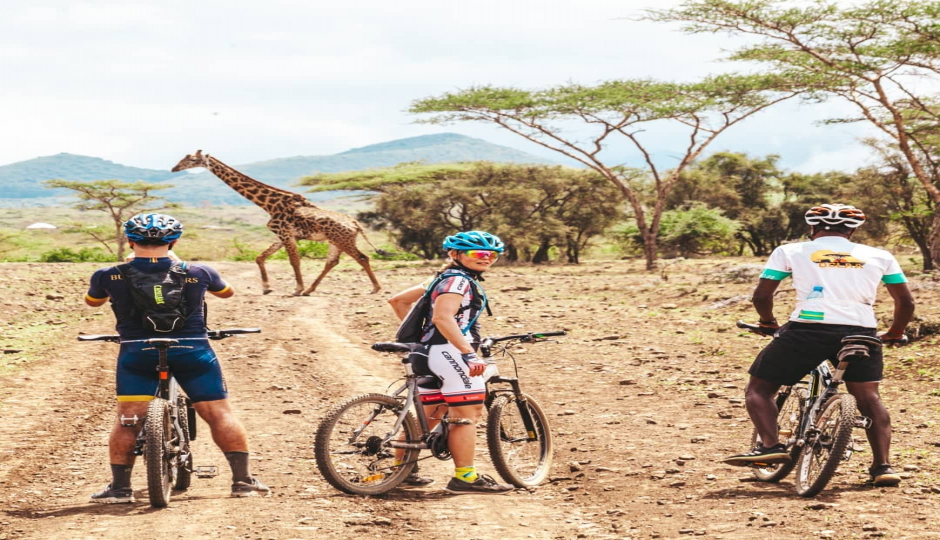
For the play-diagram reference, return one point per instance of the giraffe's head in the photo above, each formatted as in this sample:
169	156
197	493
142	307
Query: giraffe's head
191	161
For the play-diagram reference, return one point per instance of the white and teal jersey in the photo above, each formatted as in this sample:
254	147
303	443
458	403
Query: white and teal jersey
836	280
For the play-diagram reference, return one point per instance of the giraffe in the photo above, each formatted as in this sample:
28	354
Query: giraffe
292	218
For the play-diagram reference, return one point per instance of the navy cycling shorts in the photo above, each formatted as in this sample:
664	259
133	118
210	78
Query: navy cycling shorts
799	347
195	367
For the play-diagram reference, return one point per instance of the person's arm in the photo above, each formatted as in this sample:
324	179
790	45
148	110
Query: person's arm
96	295
401	302
763	299
227	292
217	285
903	310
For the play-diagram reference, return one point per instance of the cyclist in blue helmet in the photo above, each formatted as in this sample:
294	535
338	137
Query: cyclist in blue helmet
193	361
451	339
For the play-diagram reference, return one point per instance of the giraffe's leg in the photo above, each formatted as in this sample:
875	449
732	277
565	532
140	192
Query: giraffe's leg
265	288
294	255
363	261
332	259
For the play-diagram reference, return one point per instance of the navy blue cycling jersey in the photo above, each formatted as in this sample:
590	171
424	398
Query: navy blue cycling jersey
108	283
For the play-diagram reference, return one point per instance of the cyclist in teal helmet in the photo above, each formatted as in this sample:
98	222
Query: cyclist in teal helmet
451	339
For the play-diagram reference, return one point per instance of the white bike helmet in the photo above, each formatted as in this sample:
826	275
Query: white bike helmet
835	214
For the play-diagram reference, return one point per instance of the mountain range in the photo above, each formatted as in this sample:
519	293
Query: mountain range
21	183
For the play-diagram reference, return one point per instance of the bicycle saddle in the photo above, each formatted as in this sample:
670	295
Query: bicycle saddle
396	347
861	340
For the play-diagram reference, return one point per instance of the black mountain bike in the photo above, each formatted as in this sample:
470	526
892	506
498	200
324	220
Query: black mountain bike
357	440
815	420
170	424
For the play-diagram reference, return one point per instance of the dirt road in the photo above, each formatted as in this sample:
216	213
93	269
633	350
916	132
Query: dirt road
645	395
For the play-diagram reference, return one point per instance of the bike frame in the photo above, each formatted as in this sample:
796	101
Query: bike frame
413	399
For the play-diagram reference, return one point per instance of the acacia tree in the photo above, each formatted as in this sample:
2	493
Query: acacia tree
533	208
882	56
617	112
121	200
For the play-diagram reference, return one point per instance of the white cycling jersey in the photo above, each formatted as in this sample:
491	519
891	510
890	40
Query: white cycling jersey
836	280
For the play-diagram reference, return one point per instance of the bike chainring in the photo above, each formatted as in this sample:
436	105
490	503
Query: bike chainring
437	443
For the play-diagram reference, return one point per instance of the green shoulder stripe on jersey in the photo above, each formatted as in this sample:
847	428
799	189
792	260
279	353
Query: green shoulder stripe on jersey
894	278
775	275
811	315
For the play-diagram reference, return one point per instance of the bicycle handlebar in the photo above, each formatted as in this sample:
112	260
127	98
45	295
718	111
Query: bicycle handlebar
486	343
212	334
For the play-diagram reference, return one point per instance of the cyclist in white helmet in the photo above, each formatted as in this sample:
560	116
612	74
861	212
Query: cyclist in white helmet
836	281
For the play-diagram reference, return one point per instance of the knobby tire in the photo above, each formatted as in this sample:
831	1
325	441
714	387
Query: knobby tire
364	465
159	470
819	461
184	471
518	460
790	405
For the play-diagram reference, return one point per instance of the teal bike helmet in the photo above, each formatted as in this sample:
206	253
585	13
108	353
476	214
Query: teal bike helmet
153	227
467	240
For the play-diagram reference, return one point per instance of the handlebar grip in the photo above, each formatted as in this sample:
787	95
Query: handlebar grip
99	337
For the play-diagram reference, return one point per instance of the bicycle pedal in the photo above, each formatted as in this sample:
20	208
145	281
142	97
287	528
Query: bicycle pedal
458	421
863	422
206	471
129	421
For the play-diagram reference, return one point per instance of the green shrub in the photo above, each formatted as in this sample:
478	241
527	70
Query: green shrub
82	255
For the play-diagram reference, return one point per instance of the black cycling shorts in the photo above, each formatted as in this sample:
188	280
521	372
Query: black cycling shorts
799	347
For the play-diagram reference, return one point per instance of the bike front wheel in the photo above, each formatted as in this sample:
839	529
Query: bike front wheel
160	469
521	456
352	445
820	458
790	405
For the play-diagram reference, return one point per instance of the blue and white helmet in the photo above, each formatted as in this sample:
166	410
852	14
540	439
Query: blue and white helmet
154	227
467	240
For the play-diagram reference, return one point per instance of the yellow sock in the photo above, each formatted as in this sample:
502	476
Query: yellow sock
467	474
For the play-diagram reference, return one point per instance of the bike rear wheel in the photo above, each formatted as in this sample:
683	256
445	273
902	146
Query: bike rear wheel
820	459
184	471
790	405
521	458
351	446
160	470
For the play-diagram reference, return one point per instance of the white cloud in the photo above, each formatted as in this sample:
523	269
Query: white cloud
143	82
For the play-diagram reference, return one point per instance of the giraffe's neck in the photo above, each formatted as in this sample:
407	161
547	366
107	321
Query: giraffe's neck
265	196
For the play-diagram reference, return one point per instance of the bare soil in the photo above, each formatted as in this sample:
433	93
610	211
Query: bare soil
645	395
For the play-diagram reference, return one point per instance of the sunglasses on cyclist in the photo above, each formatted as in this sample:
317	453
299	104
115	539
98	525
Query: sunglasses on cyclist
481	254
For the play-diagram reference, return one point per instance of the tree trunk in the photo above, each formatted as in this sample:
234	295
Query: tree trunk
649	248
541	255
934	253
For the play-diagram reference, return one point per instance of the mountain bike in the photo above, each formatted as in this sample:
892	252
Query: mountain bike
356	442
815	420
170	423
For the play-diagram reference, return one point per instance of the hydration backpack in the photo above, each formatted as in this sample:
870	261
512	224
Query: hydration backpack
413	325
159	298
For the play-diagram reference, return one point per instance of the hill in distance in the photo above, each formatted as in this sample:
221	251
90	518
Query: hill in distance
23	181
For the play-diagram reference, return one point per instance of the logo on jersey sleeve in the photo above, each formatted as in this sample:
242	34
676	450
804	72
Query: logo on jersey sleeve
835	259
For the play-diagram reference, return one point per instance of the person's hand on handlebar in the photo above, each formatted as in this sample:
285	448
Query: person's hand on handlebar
766	328
893	339
476	366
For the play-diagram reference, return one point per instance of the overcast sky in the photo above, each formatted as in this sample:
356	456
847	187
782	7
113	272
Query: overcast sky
142	83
